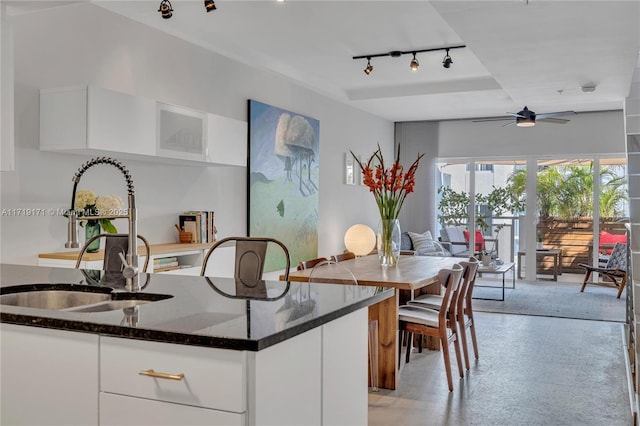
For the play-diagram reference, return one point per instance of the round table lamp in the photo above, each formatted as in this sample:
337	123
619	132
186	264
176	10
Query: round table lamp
360	240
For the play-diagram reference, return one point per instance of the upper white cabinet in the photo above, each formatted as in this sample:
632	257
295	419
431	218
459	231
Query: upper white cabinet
92	118
226	140
181	132
7	162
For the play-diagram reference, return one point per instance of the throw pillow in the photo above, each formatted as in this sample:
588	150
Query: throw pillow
608	238
479	239
422	243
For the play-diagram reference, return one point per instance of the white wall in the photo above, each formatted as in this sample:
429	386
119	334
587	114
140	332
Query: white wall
586	133
84	44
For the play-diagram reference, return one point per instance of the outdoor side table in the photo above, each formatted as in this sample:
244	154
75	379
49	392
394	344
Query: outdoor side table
557	261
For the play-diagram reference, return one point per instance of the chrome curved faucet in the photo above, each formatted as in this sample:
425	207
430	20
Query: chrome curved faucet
131	264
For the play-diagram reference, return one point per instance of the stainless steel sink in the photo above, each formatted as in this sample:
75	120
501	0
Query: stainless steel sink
110	305
53	299
73	298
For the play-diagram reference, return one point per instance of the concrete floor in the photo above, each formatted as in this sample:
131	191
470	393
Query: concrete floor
532	370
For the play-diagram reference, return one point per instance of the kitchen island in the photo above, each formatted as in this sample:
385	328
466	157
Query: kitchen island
285	353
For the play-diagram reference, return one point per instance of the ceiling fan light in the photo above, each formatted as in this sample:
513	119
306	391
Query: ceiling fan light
525	122
414	65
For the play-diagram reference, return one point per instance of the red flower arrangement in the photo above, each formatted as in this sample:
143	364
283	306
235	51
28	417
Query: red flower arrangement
389	186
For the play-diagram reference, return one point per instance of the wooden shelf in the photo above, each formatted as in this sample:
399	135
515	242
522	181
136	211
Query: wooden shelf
156	249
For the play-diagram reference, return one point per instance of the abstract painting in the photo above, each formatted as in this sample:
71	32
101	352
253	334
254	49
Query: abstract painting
283	181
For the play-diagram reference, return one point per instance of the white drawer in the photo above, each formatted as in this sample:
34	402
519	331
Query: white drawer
213	378
126	410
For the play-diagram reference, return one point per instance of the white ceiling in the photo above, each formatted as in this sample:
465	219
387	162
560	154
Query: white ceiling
535	53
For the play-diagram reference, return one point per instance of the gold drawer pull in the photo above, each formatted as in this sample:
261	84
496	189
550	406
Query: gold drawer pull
157	375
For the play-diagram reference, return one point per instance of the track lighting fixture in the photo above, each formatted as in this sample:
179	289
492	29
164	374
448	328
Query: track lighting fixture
369	67
165	9
414	65
209	5
447	61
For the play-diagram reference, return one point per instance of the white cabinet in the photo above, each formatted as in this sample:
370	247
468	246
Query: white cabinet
226	141
7	161
205	385
181	132
92	119
59	377
124	410
48	376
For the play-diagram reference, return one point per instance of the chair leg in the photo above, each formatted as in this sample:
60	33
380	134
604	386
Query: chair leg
409	345
445	355
400	340
623	282
472	331
587	275
456	346
463	337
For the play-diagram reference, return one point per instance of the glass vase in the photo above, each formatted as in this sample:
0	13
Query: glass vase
389	242
91	229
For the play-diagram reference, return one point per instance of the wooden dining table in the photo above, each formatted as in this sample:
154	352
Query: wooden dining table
411	276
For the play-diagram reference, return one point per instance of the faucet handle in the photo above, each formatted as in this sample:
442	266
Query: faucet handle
128	271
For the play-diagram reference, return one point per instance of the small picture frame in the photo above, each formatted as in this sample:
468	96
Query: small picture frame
349	169
363	161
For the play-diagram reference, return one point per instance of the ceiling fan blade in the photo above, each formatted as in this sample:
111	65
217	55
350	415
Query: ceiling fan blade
553	120
555	114
515	114
492	119
509	124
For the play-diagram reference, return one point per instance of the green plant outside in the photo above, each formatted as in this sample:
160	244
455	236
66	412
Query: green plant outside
453	206
567	191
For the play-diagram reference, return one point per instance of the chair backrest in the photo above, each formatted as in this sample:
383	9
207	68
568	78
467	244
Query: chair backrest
249	258
306	264
112	265
468	281
343	256
316	272
450	279
618	259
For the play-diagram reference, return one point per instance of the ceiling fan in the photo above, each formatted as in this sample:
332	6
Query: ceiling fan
528	118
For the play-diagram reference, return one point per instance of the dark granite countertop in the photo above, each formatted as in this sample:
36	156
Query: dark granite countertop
201	312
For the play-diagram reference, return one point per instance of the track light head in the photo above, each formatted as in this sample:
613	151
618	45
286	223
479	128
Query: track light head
447	61
209	5
414	65
369	67
165	9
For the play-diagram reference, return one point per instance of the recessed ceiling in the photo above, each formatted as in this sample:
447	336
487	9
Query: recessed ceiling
534	53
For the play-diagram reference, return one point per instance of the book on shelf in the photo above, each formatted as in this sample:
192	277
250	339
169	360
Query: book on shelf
190	223
164	260
165	265
164	268
200	223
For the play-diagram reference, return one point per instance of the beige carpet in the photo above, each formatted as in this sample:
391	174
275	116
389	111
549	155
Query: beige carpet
560	299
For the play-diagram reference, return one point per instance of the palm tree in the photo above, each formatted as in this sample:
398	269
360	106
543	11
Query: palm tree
567	191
